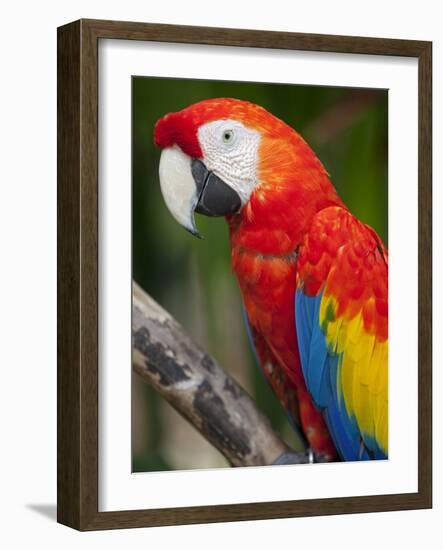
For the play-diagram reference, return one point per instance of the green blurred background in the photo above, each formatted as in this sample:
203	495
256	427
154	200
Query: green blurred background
192	278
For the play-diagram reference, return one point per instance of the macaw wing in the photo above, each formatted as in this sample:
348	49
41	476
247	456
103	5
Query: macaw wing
342	325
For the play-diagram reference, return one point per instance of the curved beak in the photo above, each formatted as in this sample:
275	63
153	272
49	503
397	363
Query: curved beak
188	186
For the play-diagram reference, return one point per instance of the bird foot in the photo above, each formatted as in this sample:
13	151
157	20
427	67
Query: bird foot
291	457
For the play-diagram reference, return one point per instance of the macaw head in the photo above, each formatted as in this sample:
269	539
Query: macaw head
226	157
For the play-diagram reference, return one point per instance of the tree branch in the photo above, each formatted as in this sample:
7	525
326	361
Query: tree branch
199	389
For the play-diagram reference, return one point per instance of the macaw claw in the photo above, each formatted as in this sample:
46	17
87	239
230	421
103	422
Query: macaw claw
292	457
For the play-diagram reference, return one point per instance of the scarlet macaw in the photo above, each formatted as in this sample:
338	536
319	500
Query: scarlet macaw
314	279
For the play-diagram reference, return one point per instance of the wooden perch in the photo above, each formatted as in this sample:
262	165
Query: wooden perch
200	390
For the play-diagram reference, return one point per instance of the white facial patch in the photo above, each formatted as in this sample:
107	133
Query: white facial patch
230	150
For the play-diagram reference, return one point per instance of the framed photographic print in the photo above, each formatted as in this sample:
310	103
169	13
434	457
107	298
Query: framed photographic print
226	202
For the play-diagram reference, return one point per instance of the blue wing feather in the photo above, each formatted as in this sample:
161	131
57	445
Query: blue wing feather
320	369
312	347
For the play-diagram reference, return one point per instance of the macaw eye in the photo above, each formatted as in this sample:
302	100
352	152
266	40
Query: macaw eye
228	136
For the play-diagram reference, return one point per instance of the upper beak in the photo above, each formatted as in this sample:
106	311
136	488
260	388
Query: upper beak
188	186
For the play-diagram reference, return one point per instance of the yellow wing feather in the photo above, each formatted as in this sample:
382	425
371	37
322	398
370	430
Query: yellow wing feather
363	372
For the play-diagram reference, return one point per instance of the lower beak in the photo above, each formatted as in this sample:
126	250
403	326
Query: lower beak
188	186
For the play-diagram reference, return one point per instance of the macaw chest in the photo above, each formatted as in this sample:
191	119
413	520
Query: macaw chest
268	288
